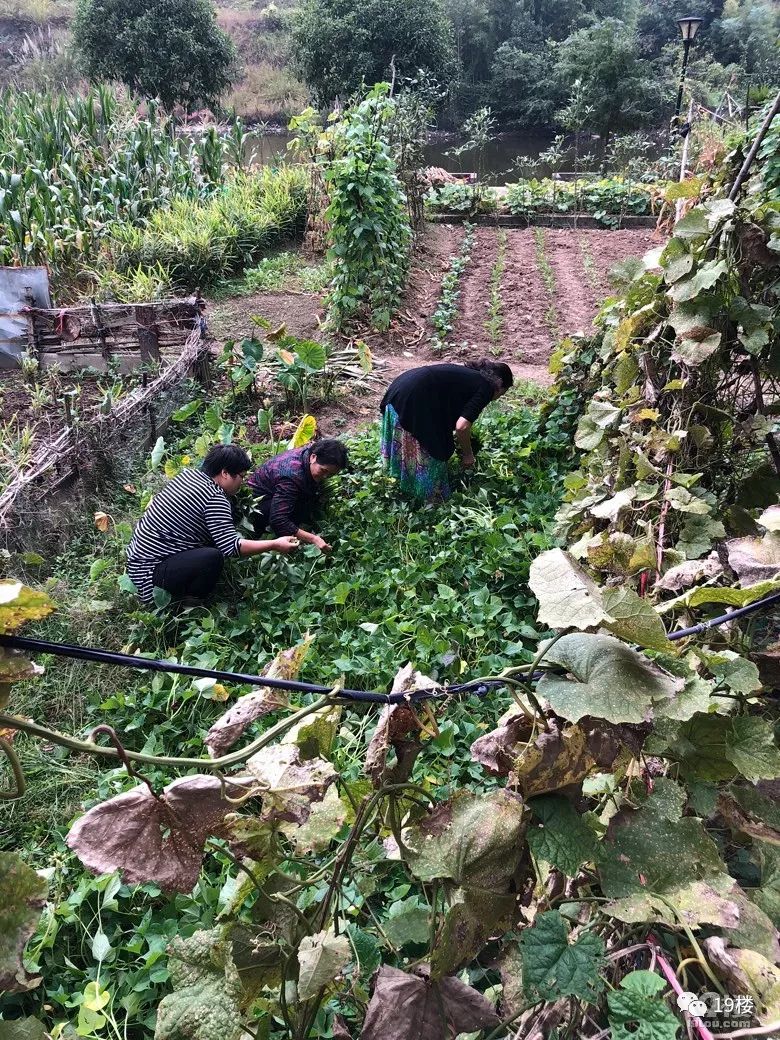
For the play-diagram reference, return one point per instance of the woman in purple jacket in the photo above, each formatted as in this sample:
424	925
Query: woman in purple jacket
287	489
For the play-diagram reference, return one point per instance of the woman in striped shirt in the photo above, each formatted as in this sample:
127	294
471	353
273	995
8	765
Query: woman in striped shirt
181	541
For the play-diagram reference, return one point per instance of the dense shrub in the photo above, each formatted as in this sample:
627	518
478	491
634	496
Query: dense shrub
172	49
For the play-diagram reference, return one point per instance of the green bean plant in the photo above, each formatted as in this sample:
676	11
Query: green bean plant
369	232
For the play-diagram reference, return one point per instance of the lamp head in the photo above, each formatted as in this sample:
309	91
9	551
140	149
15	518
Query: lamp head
689	27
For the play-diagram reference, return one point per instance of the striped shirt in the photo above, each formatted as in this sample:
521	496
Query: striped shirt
190	512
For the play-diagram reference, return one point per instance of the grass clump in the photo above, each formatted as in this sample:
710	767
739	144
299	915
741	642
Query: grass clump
195	244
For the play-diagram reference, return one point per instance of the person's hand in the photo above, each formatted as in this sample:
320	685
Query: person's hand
287	544
322	545
468	460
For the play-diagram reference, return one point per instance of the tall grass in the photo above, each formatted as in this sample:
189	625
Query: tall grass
73	167
195	244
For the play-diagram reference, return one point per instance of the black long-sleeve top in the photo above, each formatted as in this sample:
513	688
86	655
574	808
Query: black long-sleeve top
430	400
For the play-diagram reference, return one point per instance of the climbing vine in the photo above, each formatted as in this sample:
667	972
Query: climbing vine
369	230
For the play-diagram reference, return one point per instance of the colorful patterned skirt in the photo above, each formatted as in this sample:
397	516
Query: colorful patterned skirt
418	473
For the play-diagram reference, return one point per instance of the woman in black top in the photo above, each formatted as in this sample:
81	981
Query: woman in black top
425	410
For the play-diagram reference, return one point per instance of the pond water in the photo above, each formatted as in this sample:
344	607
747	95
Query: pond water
499	156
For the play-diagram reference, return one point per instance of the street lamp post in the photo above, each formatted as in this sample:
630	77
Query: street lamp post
688	28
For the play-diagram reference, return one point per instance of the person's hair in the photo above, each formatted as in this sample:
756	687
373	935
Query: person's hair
496	372
330	452
228	457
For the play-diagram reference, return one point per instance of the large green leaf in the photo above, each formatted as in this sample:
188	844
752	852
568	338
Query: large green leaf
564	839
568	598
692	225
320	958
22	895
705	277
751	747
636	620
698	534
311	354
699	746
554	966
606	679
407	921
205	1003
735	672
636	1011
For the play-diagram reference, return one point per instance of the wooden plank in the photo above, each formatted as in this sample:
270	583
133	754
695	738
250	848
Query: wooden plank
148	340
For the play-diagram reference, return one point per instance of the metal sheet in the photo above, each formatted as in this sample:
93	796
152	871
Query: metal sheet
14	283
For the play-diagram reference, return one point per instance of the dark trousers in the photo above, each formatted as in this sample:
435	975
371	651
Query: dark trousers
191	573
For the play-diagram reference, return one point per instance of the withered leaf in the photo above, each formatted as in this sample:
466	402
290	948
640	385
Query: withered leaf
252	706
22	895
555	759
248	709
474	840
152	839
398	731
287	785
411	1007
748	972
498	749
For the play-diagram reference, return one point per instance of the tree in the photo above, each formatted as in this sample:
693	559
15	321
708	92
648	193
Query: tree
657	22
522	85
170	49
625	91
340	44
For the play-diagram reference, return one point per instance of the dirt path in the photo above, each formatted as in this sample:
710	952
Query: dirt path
601	250
528	339
575	300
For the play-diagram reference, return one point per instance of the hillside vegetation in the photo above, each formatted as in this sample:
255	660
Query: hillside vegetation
520	58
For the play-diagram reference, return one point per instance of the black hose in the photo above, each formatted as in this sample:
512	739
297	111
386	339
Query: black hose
475	688
85	653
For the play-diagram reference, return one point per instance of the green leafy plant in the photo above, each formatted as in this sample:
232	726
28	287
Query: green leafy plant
494	326
369	233
443	318
76	166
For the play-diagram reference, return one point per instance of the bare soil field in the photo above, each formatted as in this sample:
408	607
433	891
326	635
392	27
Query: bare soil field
552	285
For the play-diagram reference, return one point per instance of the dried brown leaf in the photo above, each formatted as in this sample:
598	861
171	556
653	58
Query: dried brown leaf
556	759
252	706
397	730
152	839
411	1007
287	785
498	749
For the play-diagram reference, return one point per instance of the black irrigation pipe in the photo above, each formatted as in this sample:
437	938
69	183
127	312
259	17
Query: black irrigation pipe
477	688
